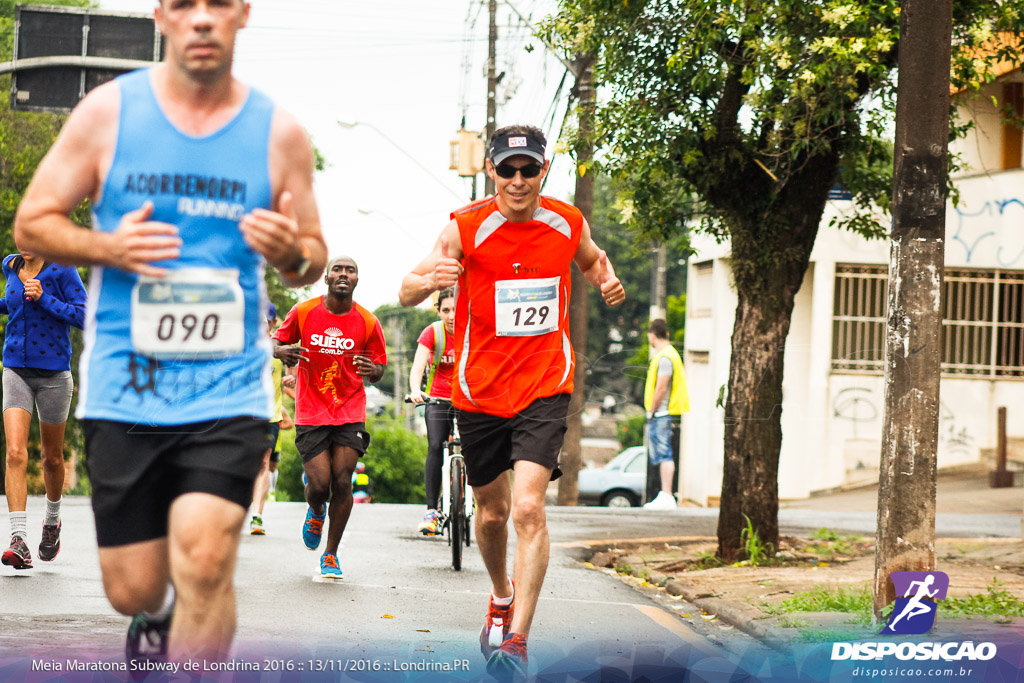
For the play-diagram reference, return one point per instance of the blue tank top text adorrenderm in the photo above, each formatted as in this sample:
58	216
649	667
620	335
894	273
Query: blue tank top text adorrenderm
193	346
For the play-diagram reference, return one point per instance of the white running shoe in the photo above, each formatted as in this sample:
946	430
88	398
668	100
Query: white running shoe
663	501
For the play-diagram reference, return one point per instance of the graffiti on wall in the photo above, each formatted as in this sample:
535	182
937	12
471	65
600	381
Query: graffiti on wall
975	227
861	408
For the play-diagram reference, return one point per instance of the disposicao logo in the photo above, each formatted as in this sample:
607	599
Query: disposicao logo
917	595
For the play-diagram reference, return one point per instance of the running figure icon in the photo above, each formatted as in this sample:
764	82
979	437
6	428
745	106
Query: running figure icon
916	604
914	607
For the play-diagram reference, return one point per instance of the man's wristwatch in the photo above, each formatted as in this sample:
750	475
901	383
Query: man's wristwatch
300	266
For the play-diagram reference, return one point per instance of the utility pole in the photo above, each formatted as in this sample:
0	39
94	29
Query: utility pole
492	83
659	285
906	487
401	376
571	459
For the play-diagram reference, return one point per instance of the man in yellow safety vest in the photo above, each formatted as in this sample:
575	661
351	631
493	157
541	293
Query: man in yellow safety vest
665	400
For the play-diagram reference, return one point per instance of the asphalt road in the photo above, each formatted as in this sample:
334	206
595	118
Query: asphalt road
400	605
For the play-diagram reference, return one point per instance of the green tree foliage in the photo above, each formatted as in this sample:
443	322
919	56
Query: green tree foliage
406	323
746	114
25	137
617	337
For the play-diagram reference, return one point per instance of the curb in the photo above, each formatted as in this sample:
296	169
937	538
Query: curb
741	617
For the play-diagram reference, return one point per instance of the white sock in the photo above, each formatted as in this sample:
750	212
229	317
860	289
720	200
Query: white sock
165	608
52	516
273	481
19	524
504	602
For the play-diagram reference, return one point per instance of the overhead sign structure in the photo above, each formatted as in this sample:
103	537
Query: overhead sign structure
61	53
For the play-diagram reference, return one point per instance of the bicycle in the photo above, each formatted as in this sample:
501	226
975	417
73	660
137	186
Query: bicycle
456	499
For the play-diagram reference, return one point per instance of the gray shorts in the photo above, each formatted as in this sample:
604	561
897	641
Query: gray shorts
50	395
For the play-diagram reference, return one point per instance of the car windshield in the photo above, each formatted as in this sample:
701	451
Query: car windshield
620	460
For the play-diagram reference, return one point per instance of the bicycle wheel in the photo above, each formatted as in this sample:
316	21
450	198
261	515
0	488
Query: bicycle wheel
458	513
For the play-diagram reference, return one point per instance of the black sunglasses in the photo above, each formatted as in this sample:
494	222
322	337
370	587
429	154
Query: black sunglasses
509	171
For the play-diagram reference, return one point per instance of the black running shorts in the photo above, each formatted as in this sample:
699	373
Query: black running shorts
312	440
491	445
137	471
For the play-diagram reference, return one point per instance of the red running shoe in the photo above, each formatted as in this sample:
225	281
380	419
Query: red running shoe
17	555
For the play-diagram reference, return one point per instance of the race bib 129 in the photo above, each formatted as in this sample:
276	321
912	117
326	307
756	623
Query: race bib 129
526	308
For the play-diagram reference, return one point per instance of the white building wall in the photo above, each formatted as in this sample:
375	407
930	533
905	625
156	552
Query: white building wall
981	150
832	422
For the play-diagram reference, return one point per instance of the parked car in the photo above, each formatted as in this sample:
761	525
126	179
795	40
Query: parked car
619	484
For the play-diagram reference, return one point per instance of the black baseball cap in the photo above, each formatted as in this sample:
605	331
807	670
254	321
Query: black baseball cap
516	144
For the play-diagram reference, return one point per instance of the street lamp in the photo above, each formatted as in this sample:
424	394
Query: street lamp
348	125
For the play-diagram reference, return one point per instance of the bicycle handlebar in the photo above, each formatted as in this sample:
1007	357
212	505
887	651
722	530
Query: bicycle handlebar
429	400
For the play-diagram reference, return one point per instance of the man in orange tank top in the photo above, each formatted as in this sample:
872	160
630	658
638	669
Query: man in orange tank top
510	257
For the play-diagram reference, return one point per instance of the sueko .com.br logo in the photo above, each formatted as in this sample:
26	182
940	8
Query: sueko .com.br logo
917	596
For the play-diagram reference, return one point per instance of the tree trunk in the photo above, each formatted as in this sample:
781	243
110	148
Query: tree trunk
571	459
753	428
770	253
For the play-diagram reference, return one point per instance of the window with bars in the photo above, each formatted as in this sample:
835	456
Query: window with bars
982	330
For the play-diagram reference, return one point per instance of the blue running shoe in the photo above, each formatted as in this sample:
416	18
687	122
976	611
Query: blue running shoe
329	568
313	528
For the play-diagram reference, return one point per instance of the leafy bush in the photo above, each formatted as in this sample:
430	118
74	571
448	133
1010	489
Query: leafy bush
631	431
995	601
394	462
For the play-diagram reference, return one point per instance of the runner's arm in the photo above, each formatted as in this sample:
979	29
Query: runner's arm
292	229
597	269
70	172
441	268
374	359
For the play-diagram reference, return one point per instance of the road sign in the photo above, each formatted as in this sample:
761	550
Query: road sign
61	53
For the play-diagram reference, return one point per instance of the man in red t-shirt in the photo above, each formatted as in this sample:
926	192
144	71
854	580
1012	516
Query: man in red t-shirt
439	417
336	344
511	255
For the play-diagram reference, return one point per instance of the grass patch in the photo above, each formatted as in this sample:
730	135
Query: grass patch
706	560
758	552
996	601
856	601
830	544
792	622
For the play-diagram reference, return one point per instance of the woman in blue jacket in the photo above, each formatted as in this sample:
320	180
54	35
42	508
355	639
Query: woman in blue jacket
42	301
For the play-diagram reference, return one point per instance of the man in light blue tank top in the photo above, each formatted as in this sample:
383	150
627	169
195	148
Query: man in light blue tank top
196	182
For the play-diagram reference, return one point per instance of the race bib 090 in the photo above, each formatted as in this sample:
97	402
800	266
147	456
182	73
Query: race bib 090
191	313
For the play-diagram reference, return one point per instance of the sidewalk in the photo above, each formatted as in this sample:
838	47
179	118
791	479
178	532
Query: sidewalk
963	490
760	600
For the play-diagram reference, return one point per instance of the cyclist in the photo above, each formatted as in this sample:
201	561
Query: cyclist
435	349
362	485
42	302
278	421
511	255
196	181
339	343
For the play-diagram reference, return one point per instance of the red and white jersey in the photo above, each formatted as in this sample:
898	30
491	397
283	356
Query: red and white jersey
511	313
330	391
